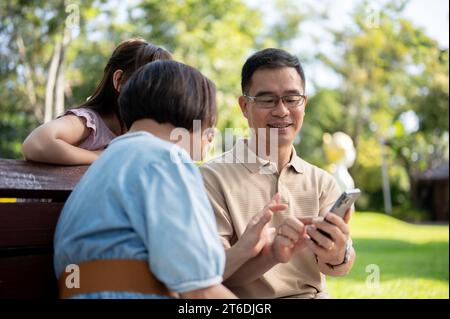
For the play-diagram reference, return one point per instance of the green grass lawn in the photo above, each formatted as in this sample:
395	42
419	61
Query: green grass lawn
412	260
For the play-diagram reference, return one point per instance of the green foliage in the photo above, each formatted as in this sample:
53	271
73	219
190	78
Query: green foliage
432	102
323	113
409	213
23	75
387	69
214	36
11	137
87	61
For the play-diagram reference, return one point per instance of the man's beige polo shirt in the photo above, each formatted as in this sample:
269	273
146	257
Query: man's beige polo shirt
240	184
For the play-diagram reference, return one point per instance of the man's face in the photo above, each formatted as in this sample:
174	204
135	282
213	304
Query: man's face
287	121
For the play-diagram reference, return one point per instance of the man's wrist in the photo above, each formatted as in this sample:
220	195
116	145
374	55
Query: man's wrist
347	254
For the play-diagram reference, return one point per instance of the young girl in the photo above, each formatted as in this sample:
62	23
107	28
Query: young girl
139	223
81	134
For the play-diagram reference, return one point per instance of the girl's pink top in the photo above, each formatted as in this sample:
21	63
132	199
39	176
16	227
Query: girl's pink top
100	135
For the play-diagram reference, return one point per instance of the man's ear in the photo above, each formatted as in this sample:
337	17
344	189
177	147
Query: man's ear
117	75
243	105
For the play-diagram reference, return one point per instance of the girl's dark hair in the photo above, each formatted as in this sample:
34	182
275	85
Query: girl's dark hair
268	59
169	92
128	56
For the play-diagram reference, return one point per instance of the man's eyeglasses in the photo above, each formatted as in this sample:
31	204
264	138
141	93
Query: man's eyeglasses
270	101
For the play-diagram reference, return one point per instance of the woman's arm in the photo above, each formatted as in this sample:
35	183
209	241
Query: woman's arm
54	142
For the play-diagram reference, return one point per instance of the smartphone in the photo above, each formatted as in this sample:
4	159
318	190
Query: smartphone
340	206
345	201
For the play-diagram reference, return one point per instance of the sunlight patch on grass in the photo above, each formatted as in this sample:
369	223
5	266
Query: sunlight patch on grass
405	288
376	225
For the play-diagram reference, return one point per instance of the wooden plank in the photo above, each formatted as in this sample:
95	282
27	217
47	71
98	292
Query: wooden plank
28	224
35	180
30	277
27	228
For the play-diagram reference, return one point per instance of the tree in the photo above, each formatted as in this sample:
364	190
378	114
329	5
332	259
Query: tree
214	36
33	64
387	68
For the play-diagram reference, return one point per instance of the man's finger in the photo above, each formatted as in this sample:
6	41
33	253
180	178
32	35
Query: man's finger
306	220
338	221
333	231
348	215
287	231
316	249
319	238
295	224
285	242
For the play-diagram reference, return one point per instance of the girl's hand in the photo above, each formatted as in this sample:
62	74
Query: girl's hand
98	152
257	232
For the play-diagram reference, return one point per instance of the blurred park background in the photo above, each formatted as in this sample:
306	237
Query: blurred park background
375	70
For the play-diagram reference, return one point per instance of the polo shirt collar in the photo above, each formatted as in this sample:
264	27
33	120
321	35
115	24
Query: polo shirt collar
247	157
296	162
256	164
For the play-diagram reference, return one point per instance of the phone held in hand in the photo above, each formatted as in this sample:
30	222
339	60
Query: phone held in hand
345	201
340	207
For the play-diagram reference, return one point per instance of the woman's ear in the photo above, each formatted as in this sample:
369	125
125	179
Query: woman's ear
117	75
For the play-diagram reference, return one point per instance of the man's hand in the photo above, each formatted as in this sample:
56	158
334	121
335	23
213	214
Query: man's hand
257	232
290	238
329	250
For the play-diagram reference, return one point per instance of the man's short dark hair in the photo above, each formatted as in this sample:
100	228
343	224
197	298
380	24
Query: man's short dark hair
169	92
268	59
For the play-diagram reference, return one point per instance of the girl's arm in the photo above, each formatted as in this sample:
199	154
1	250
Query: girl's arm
213	292
54	142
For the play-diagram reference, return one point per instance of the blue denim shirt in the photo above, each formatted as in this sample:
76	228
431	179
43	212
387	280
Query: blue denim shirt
143	199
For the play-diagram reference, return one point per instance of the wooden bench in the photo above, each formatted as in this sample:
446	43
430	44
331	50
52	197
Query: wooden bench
27	225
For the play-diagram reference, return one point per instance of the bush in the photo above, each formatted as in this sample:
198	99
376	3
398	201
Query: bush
409	213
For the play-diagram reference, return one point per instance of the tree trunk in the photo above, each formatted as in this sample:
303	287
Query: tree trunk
51	80
37	111
60	83
54	94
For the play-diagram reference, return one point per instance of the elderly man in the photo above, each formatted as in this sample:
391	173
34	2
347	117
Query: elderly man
262	185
